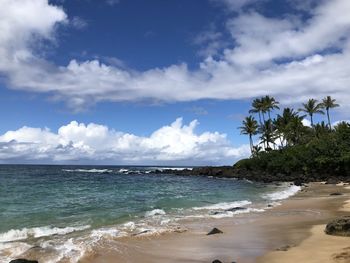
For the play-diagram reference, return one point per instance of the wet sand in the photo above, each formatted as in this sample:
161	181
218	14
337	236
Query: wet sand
291	232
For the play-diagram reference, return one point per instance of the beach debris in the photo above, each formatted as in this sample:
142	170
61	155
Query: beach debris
215	231
339	227
22	260
332	194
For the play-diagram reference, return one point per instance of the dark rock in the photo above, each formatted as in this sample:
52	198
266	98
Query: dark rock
215	231
332	181
234	209
298	182
269	205
284	248
21	260
339	227
336	193
217	261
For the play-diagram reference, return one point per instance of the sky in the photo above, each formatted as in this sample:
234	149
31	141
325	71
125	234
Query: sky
160	82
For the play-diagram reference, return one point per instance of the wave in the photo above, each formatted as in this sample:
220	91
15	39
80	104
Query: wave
155	212
36	232
284	194
88	170
224	205
237	212
173	168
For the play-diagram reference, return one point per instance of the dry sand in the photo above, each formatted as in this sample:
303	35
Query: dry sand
291	232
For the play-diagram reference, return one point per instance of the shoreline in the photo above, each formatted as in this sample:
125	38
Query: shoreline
247	238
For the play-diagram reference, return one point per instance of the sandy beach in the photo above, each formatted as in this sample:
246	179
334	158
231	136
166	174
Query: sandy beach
290	232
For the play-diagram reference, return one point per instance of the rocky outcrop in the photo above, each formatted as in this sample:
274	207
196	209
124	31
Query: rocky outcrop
259	175
215	231
339	227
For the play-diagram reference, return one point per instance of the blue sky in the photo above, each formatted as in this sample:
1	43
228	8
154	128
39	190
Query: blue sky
135	67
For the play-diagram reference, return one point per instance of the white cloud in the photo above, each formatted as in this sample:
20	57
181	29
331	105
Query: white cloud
315	55
77	142
78	22
306	122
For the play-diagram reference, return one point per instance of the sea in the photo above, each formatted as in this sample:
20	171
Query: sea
65	211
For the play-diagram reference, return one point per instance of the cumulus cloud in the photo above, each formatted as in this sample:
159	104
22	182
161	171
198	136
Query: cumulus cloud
270	55
77	142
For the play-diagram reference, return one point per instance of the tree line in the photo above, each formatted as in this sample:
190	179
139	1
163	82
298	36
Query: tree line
286	129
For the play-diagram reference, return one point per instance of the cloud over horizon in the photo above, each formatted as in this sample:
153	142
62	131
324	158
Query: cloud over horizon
270	55
75	142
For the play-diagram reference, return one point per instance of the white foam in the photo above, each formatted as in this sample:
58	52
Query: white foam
284	194
224	205
88	170
230	213
155	212
10	250
107	233
123	171
173	168
35	232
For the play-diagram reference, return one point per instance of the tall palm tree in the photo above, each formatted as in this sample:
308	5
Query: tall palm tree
312	107
250	127
329	103
269	104
257	107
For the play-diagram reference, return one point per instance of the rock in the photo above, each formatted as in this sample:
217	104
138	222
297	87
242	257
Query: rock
21	260
215	231
234	209
339	227
298	182
336	194
284	248
332	181
217	261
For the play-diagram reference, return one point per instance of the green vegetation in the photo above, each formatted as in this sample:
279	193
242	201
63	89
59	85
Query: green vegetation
287	146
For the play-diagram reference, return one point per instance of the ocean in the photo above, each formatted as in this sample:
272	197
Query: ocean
64	211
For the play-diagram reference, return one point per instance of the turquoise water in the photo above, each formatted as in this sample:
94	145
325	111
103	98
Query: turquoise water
53	203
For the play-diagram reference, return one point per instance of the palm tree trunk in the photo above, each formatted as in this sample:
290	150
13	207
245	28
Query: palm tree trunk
329	120
260	118
251	143
312	121
269	114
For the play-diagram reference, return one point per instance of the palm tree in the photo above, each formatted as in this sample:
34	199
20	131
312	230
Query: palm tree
281	123
329	103
311	108
250	127
294	130
321	129
267	136
269	104
257	107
